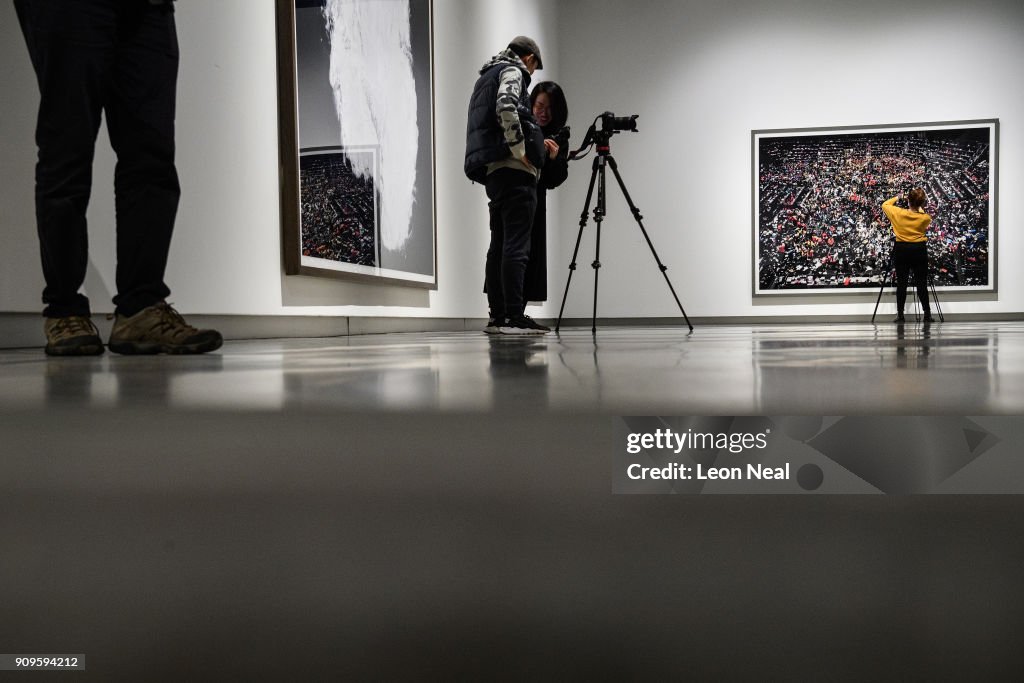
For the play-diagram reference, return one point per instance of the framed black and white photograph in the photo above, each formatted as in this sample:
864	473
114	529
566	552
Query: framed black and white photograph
818	224
356	127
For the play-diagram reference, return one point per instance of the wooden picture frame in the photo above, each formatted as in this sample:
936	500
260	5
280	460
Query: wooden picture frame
356	122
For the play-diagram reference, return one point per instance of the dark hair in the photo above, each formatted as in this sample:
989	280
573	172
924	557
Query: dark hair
916	198
559	108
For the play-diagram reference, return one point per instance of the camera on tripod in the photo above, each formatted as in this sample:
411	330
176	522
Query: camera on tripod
610	125
615	124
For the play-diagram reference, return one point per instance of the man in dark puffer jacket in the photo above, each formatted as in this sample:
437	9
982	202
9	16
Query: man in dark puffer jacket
504	149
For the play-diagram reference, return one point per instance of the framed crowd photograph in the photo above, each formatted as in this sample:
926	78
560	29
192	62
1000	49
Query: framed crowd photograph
355	84
818	224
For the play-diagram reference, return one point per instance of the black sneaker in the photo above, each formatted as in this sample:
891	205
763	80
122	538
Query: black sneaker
523	324
928	318
899	318
494	326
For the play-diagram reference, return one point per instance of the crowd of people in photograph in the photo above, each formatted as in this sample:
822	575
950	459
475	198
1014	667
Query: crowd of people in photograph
338	214
821	223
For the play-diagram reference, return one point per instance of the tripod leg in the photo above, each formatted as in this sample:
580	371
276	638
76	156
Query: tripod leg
598	219
935	298
885	281
640	222
579	236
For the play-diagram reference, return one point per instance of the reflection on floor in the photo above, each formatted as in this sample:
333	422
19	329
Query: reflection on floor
964	368
424	506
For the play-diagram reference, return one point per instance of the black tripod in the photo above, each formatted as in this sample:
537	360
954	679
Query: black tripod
889	277
603	159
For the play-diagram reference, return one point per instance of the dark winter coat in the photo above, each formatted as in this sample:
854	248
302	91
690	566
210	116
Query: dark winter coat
554	173
485	138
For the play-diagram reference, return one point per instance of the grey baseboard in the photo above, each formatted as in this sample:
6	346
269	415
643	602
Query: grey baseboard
772	320
25	330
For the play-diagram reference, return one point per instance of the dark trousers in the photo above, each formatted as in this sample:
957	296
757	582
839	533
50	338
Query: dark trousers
535	282
910	257
118	58
513	202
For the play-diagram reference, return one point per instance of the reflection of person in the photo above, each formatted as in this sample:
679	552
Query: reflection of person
910	252
499	154
552	113
117	58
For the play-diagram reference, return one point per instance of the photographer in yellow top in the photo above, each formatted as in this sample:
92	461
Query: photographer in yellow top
911	250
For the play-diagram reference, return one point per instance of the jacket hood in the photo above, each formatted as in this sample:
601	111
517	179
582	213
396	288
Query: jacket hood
505	58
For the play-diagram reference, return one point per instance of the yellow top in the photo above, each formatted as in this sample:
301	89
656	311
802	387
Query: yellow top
908	225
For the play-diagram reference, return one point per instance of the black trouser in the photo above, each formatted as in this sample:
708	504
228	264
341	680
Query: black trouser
513	196
907	257
118	57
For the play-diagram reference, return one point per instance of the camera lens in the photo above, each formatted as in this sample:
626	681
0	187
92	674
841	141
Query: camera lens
613	122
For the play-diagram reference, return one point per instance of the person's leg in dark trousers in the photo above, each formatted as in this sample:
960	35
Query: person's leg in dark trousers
492	266
71	45
513	202
901	263
919	266
902	274
140	120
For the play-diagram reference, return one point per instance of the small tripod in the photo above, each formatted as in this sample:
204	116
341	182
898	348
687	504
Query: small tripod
603	159
889	277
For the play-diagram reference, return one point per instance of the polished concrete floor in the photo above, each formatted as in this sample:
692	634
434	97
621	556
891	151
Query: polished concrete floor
959	368
438	507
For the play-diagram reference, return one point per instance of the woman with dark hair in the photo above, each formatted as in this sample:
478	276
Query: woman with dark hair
910	252
551	112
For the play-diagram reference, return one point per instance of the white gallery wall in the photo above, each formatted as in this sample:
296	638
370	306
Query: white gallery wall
701	75
226	253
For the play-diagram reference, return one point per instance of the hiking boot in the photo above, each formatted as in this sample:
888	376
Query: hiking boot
160	329
72	335
523	324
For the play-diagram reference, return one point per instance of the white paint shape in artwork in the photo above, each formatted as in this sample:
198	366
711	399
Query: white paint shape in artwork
375	97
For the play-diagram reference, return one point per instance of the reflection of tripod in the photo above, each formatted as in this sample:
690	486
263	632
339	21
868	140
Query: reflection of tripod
889	276
604	158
